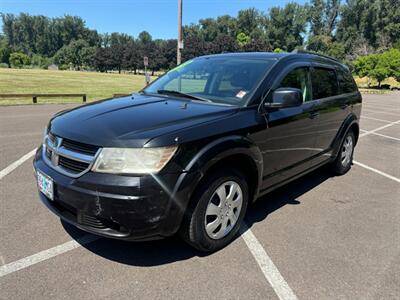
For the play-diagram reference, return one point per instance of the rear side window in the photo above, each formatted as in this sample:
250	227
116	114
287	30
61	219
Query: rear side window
346	82
324	83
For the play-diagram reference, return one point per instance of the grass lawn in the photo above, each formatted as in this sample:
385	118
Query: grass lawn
95	85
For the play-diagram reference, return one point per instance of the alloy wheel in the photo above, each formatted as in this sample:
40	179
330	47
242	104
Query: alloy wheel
223	209
347	151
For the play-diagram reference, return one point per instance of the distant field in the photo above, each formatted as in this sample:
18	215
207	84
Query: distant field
95	85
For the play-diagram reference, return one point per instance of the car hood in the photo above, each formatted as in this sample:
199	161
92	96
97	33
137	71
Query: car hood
132	121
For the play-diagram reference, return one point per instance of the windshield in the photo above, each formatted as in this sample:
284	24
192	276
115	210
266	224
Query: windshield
226	80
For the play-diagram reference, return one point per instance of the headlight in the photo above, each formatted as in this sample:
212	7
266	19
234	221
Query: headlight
133	160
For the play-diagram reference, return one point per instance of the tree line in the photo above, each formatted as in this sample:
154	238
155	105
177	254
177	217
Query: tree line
346	31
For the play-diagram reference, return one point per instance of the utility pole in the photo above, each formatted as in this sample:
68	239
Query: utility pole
180	37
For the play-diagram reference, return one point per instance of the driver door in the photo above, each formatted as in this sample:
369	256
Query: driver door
289	141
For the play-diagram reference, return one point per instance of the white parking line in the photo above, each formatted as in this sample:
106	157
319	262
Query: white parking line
46	254
379	128
267	266
16	164
382	108
382	135
379	112
376	171
376	119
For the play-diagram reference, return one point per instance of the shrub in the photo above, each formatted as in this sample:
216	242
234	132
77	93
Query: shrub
18	59
63	67
40	61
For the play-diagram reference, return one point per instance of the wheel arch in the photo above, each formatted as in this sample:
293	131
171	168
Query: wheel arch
350	123
233	151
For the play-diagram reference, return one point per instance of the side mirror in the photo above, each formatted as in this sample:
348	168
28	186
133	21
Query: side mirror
285	97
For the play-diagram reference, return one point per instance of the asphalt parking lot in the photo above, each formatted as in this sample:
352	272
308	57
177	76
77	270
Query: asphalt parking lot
320	237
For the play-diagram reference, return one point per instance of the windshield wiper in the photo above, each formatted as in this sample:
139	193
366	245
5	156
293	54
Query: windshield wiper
180	94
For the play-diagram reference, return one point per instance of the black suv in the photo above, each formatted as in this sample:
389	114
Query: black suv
191	151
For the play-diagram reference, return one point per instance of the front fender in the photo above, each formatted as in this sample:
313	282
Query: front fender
207	157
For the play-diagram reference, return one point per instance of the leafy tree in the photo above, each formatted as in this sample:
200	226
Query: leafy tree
336	50
249	22
227	25
390	60
379	66
323	15
285	26
223	43
132	56
243	39
209	29
77	54
45	36
257	45
117	56
18	59
5	51
194	46
145	37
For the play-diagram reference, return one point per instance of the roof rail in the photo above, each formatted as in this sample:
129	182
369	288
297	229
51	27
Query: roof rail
314	53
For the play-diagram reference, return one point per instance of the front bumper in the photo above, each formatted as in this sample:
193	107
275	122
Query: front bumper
123	207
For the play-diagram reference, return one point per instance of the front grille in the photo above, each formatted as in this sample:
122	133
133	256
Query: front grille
79	147
69	157
73	165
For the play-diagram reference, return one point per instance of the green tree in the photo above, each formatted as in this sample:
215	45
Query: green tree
18	59
5	50
378	66
390	60
77	54
242	39
249	22
285	27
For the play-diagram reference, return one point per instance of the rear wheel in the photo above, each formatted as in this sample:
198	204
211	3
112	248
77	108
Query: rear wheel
217	210
344	159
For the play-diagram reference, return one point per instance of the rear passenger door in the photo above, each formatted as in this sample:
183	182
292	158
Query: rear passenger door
332	108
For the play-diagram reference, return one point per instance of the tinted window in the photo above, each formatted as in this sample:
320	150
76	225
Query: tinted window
299	79
346	82
324	83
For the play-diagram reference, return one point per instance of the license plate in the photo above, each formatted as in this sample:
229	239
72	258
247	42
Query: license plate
45	184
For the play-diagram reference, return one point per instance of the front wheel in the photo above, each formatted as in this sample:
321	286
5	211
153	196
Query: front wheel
344	159
216	211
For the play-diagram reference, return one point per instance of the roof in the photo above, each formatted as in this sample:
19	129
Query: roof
281	55
272	55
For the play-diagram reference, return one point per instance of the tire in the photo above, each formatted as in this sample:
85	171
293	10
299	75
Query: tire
208	209
344	159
